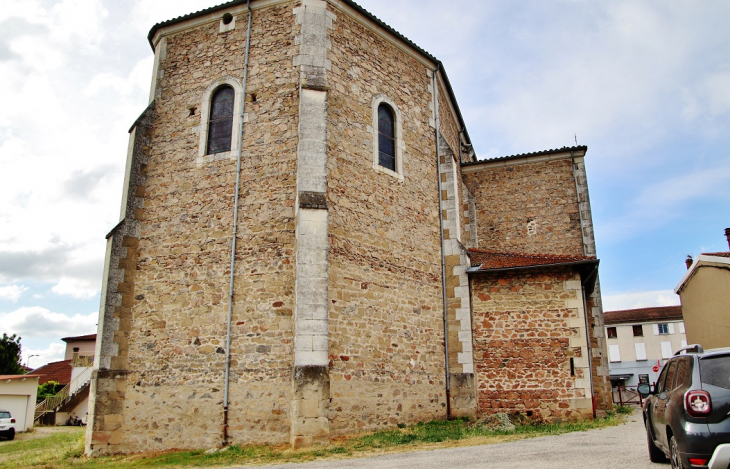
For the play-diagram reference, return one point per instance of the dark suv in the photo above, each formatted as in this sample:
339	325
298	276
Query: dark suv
687	415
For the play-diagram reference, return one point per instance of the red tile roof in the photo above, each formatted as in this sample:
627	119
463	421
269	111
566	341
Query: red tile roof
488	260
716	254
54	371
643	314
80	337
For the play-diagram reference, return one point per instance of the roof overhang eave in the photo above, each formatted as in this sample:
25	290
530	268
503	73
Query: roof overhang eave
585	265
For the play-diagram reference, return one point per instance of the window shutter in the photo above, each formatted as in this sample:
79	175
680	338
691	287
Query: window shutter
684	343
671	328
656	328
666	349
613	353
640	351
681	328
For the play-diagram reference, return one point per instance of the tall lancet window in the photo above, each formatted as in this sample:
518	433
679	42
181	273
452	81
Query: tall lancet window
386	137
220	126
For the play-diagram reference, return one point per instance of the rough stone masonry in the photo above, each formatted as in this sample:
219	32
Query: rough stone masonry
364	296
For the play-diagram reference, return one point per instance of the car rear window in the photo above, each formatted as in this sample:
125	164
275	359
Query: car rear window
716	371
4	415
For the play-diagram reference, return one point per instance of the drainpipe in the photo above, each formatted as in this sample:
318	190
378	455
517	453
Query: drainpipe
441	225
235	228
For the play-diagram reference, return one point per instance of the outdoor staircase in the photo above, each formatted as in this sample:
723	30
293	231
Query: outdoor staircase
65	396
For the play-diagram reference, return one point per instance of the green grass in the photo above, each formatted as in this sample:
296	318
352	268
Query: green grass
66	449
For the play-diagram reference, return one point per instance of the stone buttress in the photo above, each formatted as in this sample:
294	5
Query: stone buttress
311	393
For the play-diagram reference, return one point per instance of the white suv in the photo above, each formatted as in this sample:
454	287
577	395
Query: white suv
7	425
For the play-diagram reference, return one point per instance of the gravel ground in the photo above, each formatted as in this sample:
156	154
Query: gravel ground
622	446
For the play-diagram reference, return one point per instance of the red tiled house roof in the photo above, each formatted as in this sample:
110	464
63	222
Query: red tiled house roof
54	371
717	254
80	337
488	260
658	313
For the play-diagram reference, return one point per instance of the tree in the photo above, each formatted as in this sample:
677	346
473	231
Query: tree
10	355
48	389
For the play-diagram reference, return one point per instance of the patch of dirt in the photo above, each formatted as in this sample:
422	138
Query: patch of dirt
41	432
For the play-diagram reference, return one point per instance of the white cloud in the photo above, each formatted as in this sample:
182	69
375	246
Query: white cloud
37	322
37	357
76	288
639	299
12	292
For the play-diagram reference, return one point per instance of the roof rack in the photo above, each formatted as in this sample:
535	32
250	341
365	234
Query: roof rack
694	348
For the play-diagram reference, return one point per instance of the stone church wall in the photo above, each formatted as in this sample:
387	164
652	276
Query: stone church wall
385	318
527	208
174	391
528	328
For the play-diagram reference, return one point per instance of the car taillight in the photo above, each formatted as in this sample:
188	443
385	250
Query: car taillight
698	403
12	420
698	461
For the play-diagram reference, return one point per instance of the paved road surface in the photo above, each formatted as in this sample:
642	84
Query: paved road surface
623	446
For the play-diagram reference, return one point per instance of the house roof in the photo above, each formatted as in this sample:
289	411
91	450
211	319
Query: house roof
354	6
80	338
582	148
482	260
716	254
3	377
704	259
658	313
54	371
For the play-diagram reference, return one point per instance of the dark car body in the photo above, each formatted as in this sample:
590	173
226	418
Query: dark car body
687	416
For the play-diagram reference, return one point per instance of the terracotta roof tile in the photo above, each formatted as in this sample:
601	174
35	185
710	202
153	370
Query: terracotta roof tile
527	155
80	337
488	260
54	371
643	314
717	254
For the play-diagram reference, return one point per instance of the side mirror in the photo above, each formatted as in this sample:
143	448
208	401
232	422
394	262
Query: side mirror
644	389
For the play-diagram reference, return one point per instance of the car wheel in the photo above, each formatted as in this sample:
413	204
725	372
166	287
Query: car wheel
11	434
676	459
655	454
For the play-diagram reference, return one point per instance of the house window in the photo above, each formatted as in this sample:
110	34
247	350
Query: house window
220	125
638	331
611	332
666	349
643	379
388	143
663	328
614	354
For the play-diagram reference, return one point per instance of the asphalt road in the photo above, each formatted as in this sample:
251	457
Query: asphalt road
623	446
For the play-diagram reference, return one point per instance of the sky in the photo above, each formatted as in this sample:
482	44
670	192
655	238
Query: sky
645	84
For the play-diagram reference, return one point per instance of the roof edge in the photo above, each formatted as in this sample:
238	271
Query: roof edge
357	8
702	258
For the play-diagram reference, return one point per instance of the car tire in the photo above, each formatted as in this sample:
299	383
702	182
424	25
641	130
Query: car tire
655	454
676	457
11	434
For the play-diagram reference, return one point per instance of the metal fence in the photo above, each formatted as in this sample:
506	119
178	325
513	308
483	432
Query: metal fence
626	395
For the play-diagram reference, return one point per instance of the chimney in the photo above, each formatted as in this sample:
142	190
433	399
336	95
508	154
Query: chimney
727	235
688	261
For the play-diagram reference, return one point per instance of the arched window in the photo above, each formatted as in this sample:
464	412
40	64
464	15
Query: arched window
386	137
220	125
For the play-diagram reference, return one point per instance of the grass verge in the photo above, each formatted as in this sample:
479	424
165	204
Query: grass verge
66	450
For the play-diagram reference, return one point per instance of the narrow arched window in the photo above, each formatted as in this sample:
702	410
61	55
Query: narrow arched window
220	125
386	137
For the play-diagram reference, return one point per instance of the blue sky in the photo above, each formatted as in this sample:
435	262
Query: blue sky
645	84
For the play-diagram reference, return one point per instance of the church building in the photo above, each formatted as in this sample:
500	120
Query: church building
309	247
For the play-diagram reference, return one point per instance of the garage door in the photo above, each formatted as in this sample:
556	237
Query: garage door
18	407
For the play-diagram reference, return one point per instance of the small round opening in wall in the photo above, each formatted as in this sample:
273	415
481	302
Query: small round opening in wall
227	18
